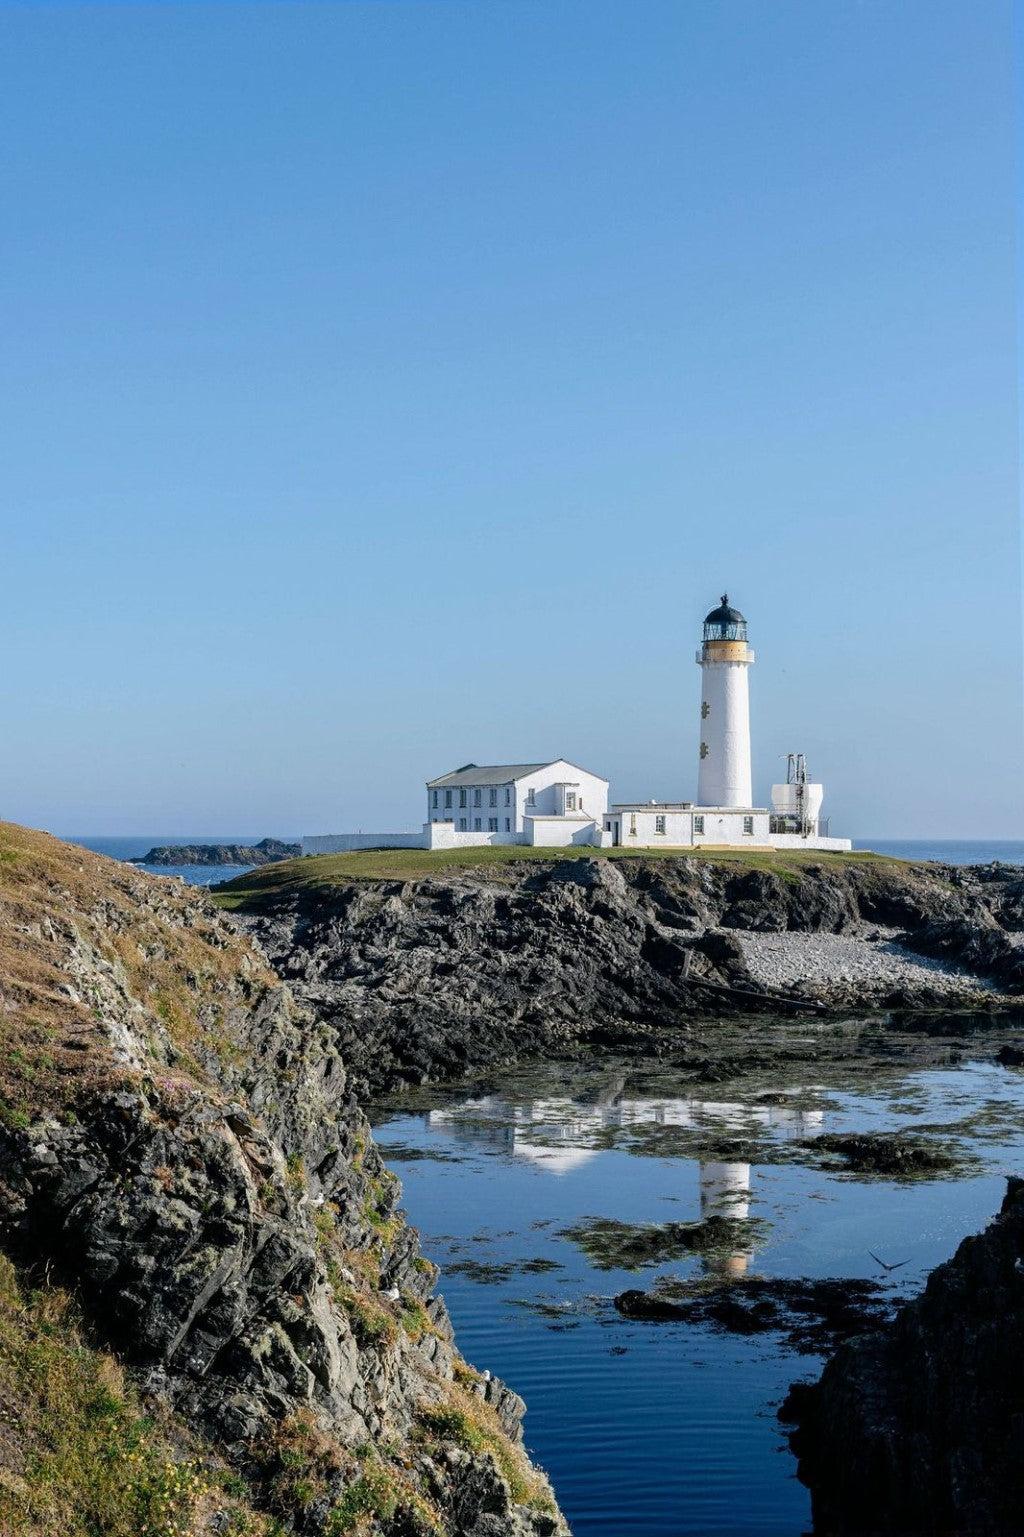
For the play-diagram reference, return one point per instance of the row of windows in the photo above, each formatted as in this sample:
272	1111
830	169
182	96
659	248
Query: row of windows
659	825
492	797
492	824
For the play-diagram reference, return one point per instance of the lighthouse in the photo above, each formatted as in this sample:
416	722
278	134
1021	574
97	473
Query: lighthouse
724	659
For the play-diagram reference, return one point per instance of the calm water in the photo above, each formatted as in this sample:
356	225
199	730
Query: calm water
195	875
662	1428
951	851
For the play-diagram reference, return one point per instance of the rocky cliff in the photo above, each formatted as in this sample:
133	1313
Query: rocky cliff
181	1154
425	978
920	1427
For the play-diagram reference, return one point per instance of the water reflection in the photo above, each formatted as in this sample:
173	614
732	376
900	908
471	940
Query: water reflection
559	1134
652	1429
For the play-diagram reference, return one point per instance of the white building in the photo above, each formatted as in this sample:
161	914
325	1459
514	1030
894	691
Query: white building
558	804
550	805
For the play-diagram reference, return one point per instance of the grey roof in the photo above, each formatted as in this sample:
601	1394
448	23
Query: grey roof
490	774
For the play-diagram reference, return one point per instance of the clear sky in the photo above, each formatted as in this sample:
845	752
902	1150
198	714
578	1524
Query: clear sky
395	384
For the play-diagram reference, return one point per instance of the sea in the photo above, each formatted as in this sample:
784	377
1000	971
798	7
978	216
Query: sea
522	1183
133	849
947	851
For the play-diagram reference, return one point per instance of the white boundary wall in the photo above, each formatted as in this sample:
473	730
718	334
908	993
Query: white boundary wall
346	843
562	832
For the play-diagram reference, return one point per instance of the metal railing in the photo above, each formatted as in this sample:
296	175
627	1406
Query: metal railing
803	826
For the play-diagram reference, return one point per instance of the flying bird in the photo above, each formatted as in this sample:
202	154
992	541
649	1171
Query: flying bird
885	1267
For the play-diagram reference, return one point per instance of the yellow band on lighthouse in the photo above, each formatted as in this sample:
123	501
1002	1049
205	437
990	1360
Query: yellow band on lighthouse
726	651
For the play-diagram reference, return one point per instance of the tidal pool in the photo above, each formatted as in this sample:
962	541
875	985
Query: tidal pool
528	1189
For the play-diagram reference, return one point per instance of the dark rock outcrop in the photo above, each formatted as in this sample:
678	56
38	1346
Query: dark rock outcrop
468	968
267	852
920	1428
179	1145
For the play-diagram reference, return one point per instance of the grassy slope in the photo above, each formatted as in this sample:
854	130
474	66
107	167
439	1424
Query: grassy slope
294	876
79	1455
54	1047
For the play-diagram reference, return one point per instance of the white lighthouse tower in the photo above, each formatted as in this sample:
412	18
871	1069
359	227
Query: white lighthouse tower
724	658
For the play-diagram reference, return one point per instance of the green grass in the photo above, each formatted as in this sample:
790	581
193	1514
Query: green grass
321	872
78	1454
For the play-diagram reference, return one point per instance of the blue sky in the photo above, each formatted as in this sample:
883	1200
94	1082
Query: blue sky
395	384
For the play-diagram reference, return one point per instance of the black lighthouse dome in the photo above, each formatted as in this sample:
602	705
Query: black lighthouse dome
725	623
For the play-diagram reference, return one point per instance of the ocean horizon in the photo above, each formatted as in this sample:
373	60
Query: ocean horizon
952	851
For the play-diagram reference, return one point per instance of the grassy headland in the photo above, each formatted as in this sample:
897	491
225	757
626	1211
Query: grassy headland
296	877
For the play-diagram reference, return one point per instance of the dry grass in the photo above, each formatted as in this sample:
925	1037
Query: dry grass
83	937
463	1418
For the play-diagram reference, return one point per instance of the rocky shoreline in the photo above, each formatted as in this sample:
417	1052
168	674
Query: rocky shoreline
180	1149
429	979
920	1427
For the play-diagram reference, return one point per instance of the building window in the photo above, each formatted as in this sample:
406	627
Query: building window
632	824
492	824
477	798
476	824
493	798
462	797
531	797
508	824
698	827
462	824
508	795
748	824
447	799
434	800
570	800
659	824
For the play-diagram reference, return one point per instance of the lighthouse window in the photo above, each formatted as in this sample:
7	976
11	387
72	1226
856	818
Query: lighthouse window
659	824
698	825
748	824
570	800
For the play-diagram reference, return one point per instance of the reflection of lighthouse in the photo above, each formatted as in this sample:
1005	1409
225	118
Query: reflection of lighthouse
725	1192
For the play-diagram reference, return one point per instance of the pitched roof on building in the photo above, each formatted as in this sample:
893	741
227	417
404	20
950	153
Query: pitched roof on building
489	774
500	773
